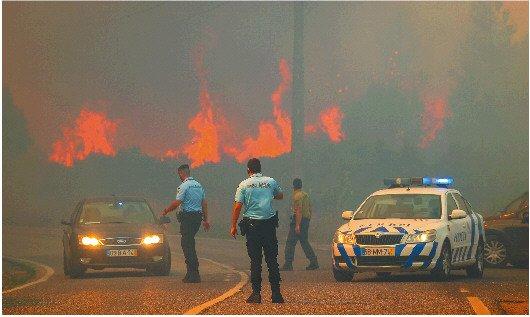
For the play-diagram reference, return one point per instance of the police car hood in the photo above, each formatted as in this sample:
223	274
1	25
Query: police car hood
403	226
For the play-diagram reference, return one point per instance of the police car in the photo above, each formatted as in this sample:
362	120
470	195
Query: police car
414	224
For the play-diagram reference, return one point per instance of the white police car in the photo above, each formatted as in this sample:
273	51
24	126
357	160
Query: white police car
415	224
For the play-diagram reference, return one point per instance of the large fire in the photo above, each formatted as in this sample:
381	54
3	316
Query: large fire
93	133
433	119
274	138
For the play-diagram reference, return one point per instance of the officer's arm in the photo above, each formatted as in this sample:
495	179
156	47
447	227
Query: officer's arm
278	196
204	210
297	214
174	205
235	213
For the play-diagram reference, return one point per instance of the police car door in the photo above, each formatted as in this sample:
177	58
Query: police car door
463	232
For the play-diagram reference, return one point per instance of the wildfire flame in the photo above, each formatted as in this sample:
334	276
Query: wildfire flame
274	138
93	133
330	122
433	119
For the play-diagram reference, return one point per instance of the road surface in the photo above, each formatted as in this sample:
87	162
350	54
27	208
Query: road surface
306	292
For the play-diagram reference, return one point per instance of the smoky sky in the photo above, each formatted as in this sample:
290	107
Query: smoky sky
135	62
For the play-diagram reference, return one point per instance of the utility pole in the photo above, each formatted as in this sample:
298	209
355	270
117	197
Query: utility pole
298	89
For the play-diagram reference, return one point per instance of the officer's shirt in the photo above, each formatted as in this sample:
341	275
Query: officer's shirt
191	194
256	194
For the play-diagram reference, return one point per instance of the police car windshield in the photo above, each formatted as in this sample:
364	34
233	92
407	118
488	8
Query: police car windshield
401	207
116	212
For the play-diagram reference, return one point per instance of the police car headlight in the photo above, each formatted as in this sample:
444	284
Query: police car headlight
426	236
347	238
152	239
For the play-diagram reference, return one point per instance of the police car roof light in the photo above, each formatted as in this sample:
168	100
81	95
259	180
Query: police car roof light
440	182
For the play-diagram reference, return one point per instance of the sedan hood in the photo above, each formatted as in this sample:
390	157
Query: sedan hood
404	226
109	230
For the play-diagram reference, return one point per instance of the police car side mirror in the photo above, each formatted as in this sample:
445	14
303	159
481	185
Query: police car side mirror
457	214
525	217
347	214
164	219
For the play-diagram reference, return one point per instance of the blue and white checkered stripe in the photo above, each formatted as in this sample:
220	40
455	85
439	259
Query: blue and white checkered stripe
411	251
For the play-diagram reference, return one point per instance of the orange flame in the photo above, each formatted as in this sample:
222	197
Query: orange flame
93	133
330	122
274	138
435	112
206	124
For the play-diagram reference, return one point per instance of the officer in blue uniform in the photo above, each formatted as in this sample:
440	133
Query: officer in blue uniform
259	226
190	196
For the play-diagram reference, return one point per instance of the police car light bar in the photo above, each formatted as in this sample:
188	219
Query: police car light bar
418	181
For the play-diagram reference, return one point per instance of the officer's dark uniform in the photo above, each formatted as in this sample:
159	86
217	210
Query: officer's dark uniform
256	194
191	194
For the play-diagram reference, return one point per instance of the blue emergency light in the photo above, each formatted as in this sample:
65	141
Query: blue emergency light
418	181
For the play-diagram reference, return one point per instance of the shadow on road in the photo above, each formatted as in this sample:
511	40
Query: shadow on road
115	274
407	278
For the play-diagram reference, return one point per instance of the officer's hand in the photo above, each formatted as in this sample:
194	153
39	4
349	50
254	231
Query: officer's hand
206	225
297	229
233	232
161	214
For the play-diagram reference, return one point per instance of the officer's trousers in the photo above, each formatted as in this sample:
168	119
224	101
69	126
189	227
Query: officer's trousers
261	239
292	238
189	226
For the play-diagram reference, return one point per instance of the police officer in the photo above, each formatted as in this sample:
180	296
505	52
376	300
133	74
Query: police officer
299	229
190	196
259	225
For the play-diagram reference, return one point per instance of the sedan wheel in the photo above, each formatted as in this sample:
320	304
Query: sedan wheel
495	252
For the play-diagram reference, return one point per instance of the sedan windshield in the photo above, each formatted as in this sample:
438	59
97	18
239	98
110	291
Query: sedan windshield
116	212
401	206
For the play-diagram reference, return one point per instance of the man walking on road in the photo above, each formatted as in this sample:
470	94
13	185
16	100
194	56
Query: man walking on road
299	229
259	225
190	195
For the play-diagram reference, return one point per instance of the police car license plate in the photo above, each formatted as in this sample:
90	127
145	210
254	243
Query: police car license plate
378	251
123	252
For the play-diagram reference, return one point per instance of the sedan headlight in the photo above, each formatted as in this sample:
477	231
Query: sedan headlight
348	238
88	240
153	239
426	236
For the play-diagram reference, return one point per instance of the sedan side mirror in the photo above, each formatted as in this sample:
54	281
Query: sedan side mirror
457	214
525	217
65	222
164	219
347	214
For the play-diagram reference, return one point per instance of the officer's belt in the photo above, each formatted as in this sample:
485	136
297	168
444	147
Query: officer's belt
253	221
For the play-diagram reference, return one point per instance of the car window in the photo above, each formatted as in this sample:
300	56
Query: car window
468	205
461	203
408	206
116	212
451	204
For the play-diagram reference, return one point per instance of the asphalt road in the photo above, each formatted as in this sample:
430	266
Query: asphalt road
306	292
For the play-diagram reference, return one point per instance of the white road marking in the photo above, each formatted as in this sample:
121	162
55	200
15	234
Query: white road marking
242	281
478	306
48	273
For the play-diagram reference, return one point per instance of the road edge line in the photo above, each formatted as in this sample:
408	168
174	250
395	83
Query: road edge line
243	280
478	306
48	273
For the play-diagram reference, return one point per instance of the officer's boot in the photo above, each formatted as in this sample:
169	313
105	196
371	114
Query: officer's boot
255	297
186	277
193	277
276	294
313	265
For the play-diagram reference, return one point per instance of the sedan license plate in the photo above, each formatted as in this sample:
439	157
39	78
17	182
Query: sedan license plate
378	251
123	252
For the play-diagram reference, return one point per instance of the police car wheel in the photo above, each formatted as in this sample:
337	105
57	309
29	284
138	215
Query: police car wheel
442	272
477	269
495	251
342	276
383	274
